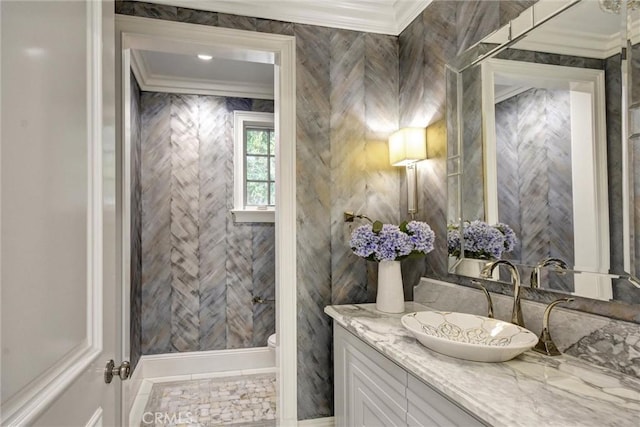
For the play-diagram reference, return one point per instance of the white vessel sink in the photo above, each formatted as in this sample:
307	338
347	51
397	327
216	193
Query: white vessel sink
468	336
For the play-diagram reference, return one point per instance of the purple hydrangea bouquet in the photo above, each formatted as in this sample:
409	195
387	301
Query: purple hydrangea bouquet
481	240
389	242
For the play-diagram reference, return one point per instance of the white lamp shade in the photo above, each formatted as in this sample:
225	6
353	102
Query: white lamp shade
408	145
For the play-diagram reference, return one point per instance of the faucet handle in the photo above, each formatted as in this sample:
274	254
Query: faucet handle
557	263
545	344
534	282
487	295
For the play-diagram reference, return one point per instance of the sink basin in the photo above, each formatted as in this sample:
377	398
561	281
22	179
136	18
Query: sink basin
468	336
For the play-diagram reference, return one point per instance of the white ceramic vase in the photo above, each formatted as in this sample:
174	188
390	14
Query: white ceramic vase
471	267
390	297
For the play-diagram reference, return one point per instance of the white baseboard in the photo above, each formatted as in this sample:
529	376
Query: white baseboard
204	362
131	387
317	422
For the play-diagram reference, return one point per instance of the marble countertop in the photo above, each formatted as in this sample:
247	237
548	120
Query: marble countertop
530	390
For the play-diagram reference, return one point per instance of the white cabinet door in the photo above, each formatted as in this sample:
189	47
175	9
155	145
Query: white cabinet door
370	408
369	388
57	213
428	408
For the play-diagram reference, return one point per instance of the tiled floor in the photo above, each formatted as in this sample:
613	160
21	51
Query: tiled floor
248	400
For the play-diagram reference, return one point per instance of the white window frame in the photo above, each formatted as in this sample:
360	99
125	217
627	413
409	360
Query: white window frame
241	212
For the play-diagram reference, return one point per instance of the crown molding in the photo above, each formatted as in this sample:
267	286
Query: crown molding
508	92
154	82
407	11
580	43
139	67
575	43
390	17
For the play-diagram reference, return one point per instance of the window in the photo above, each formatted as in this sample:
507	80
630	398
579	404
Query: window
254	167
260	165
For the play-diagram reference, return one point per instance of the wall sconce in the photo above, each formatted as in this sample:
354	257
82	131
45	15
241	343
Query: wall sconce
406	147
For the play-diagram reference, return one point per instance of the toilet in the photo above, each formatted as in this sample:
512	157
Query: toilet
271	342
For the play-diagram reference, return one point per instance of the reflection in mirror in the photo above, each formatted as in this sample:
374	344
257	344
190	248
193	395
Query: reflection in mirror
546	173
541	149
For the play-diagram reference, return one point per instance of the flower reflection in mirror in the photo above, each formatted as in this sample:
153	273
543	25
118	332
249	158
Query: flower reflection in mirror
481	240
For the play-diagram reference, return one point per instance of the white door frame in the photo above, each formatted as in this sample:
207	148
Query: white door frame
176	37
590	201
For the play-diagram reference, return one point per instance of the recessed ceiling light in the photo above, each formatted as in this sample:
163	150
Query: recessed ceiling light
205	57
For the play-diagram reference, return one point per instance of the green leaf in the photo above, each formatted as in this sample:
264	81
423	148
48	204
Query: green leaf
257	194
376	227
257	141
415	255
257	168
272	142
403	226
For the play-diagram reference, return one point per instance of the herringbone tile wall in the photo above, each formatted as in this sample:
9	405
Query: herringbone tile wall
200	270
533	144
135	325
434	39
635	100
347	105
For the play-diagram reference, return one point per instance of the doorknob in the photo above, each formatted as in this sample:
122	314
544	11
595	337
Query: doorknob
111	371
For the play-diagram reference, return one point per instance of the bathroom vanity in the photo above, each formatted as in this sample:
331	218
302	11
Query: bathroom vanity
372	390
383	376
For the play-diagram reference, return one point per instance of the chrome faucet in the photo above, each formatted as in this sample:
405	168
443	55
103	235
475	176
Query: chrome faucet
487	271
487	296
545	343
535	274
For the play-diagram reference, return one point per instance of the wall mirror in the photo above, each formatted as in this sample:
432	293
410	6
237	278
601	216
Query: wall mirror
543	136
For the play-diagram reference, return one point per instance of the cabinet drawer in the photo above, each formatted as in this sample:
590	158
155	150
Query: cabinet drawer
427	408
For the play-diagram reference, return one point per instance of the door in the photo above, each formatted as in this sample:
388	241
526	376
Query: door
57	188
